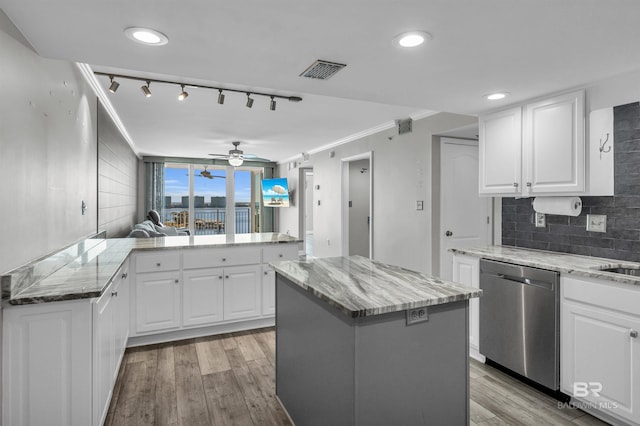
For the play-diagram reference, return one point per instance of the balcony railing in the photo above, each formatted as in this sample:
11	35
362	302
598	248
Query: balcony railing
209	221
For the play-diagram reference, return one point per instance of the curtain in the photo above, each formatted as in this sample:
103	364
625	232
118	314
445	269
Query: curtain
154	188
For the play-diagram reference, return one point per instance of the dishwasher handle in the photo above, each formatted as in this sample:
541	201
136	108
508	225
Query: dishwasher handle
526	281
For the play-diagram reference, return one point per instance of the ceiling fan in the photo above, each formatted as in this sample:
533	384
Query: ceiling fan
207	174
236	156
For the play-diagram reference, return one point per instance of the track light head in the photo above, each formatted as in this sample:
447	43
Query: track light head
183	95
220	97
113	87
249	100
146	90
295	99
272	104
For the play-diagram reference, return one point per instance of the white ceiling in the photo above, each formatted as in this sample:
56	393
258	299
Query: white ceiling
525	47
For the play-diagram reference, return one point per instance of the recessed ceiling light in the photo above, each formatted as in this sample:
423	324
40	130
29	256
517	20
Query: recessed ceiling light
496	96
411	38
146	36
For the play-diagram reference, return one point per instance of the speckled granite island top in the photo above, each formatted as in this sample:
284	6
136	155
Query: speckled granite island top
361	287
85	269
564	263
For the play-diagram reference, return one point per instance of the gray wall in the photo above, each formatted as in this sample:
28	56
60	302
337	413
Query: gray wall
568	234
117	179
49	128
47	152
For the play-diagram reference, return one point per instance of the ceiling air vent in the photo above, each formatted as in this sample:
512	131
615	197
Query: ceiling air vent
322	70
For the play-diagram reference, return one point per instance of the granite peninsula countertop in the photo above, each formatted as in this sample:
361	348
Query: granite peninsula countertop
85	269
565	263
362	287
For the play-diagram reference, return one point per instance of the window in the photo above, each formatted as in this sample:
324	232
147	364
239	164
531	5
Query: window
201	198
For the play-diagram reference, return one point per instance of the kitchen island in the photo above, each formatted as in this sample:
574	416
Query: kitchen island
360	342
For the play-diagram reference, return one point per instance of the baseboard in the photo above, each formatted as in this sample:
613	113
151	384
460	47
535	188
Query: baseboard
473	353
190	333
285	410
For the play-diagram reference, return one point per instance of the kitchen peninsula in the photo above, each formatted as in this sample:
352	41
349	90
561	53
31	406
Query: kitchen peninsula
69	317
360	342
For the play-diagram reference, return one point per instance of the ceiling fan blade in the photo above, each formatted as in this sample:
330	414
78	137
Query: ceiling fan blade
250	157
220	155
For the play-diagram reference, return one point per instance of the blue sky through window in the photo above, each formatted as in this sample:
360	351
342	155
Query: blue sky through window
176	184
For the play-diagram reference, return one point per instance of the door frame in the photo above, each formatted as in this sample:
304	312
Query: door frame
302	199
345	201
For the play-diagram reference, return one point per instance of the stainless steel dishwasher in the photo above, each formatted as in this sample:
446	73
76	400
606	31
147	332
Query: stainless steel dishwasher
520	320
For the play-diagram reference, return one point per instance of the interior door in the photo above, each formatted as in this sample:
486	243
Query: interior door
465	218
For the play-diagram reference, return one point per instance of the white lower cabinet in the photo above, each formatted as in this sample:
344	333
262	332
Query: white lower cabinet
600	346
242	296
157	301
466	270
202	296
61	359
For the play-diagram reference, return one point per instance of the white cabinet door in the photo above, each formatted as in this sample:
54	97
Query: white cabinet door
105	333
602	359
157	301
268	291
202	296
466	270
600	346
500	152
242	294
46	364
555	145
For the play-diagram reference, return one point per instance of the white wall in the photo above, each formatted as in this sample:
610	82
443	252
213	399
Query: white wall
47	152
402	175
308	201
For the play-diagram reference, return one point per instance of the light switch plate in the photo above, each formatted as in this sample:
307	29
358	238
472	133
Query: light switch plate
597	223
419	205
541	220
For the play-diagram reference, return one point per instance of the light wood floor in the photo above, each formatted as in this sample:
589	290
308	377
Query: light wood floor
229	380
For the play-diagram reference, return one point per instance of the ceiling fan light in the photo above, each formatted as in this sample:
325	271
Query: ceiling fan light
236	160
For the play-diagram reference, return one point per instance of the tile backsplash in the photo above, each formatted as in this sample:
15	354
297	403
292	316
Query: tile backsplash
568	234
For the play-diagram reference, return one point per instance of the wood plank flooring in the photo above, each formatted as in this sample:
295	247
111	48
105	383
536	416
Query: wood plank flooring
230	380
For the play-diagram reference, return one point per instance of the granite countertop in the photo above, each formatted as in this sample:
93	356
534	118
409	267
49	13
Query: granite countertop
564	263
362	287
85	269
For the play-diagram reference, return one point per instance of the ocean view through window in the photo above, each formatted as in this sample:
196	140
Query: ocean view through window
202	198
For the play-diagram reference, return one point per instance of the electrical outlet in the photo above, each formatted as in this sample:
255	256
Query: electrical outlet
597	223
541	220
417	315
419	205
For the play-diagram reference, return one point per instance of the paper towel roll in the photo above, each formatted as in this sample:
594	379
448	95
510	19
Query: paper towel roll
566	206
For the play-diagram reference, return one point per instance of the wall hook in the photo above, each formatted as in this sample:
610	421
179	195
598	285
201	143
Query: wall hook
602	144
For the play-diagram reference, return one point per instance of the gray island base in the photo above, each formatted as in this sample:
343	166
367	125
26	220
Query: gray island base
335	368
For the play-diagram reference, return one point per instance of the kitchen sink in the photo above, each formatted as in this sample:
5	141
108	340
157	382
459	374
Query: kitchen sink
625	270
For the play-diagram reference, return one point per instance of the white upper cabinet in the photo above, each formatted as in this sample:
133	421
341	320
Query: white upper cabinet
536	149
554	145
500	153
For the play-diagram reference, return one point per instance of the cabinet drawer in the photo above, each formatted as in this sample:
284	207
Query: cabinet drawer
157	262
602	293
280	252
213	258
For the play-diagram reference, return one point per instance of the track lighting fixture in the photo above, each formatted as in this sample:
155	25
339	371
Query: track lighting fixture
114	85
146	90
183	95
